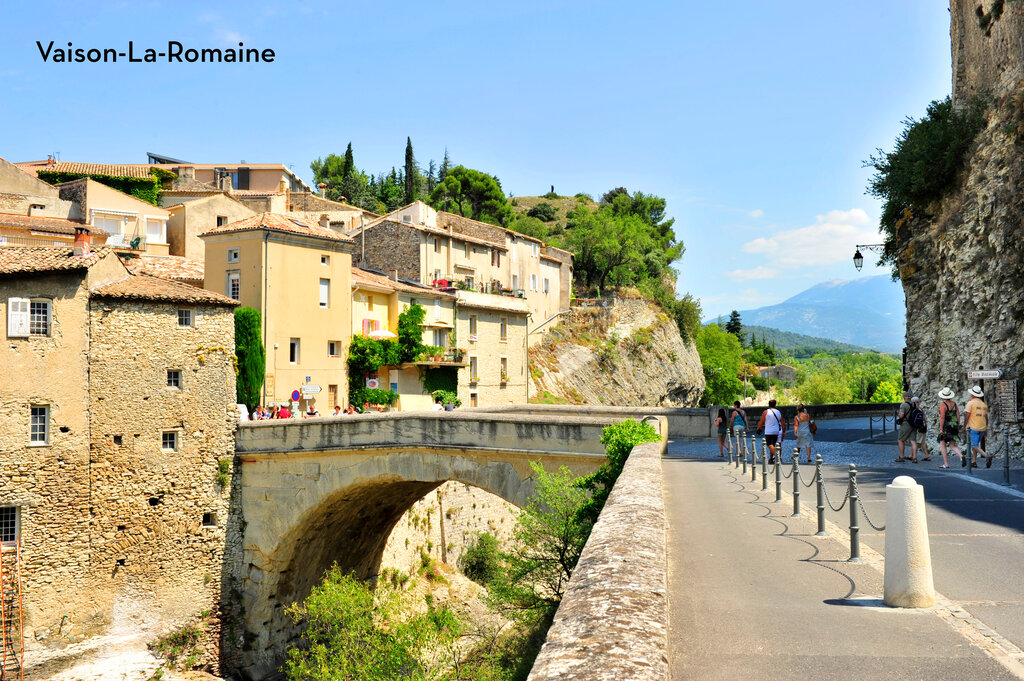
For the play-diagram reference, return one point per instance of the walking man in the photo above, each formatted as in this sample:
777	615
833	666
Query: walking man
976	417
774	429
906	434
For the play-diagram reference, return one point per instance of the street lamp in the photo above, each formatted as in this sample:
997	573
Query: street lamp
858	257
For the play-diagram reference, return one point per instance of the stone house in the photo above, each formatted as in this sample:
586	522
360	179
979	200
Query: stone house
197	214
117	393
781	372
299	276
22	193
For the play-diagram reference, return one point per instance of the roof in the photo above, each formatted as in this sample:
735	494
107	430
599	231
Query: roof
145	287
56	225
488	301
456	221
167	267
380	280
278	223
137	170
29	259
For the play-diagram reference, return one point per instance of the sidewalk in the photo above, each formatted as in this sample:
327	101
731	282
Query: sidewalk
754	595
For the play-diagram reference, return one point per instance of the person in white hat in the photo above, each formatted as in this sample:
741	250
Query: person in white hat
949	426
976	418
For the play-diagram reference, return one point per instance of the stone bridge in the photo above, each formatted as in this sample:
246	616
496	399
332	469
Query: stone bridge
319	491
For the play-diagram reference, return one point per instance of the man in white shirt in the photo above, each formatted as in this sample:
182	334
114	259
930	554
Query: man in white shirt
774	429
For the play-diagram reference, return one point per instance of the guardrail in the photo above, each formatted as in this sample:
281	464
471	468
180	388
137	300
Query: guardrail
884	419
745	452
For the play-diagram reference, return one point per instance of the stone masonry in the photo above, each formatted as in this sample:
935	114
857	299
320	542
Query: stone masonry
390	246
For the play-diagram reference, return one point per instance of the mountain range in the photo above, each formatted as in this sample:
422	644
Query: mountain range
869	312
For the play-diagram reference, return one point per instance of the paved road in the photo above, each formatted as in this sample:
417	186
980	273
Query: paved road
775	602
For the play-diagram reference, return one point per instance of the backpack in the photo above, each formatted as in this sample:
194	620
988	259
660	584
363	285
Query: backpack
952	421
917	420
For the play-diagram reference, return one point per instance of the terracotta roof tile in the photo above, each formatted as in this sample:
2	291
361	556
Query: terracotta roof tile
145	287
27	259
56	225
167	267
370	278
138	170
279	223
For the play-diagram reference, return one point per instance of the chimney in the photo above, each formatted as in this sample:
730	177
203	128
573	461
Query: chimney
83	239
394	277
325	221
323	189
186	172
50	160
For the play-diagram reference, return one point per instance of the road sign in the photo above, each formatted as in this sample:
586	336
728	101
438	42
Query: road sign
309	389
987	373
295	395
1006	393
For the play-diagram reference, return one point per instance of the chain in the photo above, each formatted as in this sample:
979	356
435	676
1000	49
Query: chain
807	484
789	474
860	502
829	501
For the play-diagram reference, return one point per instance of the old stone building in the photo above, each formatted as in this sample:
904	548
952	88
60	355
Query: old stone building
117	395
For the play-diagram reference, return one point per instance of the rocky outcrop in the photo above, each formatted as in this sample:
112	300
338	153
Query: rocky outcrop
963	267
627	354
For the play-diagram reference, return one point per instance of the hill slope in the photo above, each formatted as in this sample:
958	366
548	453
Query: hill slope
800	345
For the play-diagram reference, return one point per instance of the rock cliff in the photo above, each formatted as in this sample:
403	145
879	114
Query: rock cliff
627	354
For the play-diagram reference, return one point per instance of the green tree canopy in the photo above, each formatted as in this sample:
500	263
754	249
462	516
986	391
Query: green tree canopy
252	357
472	194
720	355
735	326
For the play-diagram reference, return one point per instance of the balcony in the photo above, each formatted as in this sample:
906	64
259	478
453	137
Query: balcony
452	283
450	357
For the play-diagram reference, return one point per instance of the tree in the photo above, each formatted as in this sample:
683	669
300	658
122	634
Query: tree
472	194
252	357
410	173
829	388
720	354
735	326
410	333
344	181
607	248
543	211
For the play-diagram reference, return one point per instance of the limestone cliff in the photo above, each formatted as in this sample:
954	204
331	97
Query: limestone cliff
963	267
627	354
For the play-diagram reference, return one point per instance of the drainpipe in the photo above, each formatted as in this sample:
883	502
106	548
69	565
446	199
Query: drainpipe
526	343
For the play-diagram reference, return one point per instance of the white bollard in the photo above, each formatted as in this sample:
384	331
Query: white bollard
908	557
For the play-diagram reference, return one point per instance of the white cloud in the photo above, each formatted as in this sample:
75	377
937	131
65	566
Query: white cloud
759	272
831	239
756	213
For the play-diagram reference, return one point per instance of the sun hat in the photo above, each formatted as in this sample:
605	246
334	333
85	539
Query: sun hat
945	394
977	391
914	399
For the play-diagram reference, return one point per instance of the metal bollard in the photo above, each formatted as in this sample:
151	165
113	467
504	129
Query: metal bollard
796	482
854	527
753	465
744	457
871	427
778	480
730	455
821	498
764	469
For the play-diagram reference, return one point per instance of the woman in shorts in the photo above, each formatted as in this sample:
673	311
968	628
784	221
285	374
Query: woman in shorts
723	430
802	430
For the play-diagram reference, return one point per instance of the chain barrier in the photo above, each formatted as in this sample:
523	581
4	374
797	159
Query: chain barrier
841	506
860	502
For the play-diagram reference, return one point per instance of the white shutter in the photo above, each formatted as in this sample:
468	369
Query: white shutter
17	317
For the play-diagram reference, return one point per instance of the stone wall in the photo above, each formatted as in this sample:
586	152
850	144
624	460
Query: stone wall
987	49
389	246
613	620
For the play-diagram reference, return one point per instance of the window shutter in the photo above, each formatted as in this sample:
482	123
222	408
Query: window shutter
366	326
17	317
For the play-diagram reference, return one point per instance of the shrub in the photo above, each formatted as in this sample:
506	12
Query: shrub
181	647
759	382
618	440
447	397
410	333
543	211
481	561
360	396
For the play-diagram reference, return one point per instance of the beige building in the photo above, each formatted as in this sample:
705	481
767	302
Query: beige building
117	396
188	219
299	276
127	221
22	193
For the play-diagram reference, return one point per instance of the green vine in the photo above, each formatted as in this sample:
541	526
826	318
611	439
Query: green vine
145	189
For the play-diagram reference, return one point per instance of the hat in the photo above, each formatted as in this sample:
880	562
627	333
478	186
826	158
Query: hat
977	391
907	394
914	399
945	394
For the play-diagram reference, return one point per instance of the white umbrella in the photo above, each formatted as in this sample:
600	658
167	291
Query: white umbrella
381	334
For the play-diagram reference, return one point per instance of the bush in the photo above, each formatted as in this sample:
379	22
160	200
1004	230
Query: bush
410	333
543	211
481	561
759	382
447	397
375	396
618	440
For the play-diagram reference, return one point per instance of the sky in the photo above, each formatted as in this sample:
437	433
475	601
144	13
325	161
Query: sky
753	119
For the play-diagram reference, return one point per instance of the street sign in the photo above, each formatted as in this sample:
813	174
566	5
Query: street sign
309	389
1006	393
295	395
987	373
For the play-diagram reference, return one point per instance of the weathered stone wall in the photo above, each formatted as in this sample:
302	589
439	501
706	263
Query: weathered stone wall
613	620
390	246
489	349
627	354
987	47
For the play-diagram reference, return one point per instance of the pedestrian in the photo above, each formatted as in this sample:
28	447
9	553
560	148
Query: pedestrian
337	410
949	426
906	434
919	432
976	418
438	404
774	428
284	412
737	419
312	411
723	429
802	431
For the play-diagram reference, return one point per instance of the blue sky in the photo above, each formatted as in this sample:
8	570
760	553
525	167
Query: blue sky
751	118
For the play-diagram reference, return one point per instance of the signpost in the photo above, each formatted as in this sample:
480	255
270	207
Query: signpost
295	396
987	373
309	389
1006	393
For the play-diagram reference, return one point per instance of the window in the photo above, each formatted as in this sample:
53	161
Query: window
9	524
369	302
469	283
473	375
39	318
185	317
173	378
156	231
17	317
325	260
334	348
515	281
504	369
234	285
39	425
533	282
547	285
370	325
495	257
466	247
108	225
210	519
437	245
233	255
293	350
473	401
472	327
325	292
503	327
437	275
169	441
535	249
440	338
437	308
222	220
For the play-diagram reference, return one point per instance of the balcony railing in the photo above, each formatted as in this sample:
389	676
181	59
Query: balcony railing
452	283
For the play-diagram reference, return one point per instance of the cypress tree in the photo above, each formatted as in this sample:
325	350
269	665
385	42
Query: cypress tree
410	172
349	165
252	357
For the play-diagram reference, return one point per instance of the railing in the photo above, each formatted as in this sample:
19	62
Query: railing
451	283
745	452
884	419
592	302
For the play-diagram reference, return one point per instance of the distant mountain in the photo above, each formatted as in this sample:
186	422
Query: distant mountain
799	345
869	312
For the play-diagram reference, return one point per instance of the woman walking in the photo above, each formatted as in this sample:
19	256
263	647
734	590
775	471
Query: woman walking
802	430
949	426
723	430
